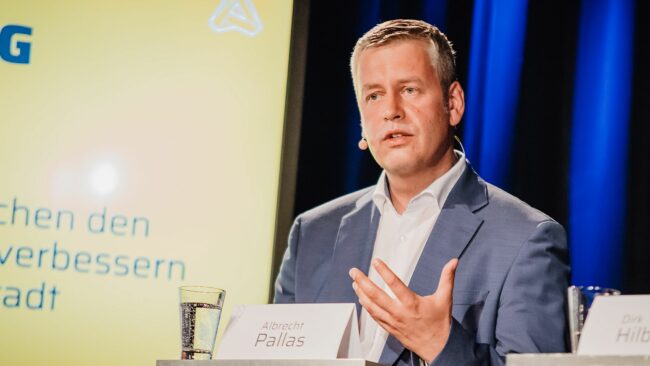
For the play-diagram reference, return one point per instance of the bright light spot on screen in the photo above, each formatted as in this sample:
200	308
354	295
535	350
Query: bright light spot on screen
104	178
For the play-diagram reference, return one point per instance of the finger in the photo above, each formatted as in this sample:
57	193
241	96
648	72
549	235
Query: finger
401	291
372	291
391	330
446	283
379	314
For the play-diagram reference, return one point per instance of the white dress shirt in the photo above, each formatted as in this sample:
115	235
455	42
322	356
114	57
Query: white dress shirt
400	240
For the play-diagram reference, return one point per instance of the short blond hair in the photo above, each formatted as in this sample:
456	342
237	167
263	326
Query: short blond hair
441	51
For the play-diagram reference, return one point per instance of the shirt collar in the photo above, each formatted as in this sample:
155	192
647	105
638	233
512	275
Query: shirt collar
439	189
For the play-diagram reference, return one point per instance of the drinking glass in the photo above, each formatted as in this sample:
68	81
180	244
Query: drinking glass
200	310
580	299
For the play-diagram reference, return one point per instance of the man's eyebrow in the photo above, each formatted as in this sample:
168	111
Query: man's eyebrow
370	86
410	80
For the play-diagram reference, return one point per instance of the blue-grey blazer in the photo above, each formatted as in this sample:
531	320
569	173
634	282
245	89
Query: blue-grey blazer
510	286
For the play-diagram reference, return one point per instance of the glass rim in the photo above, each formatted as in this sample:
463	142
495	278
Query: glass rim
202	289
600	290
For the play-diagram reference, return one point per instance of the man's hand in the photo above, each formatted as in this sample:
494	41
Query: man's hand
420	323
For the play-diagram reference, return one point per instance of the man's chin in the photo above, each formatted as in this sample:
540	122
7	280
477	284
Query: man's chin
402	170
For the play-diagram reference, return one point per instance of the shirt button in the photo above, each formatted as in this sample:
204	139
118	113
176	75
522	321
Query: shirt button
402	238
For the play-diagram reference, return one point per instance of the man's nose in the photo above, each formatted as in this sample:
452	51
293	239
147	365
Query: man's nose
393	107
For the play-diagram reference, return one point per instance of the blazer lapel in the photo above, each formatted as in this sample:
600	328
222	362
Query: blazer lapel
453	231
353	248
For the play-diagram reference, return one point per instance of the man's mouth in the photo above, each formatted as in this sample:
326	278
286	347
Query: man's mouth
395	135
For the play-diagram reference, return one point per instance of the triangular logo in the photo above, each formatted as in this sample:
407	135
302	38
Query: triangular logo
236	15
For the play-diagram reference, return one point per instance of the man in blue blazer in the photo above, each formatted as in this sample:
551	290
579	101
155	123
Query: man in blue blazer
448	269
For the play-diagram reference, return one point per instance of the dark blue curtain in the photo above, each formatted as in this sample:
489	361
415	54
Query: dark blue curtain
556	113
599	141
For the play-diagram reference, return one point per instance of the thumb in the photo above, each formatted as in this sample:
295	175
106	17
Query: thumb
446	283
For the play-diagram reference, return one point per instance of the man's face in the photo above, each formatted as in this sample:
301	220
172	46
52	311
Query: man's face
402	108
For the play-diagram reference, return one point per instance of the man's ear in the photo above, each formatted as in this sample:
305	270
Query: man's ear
456	103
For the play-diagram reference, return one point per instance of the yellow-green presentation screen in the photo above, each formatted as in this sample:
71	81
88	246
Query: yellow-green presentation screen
139	151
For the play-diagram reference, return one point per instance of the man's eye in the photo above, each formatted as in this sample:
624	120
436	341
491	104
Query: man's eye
410	90
373	96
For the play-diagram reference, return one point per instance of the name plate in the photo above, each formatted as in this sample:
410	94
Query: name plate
617	325
291	331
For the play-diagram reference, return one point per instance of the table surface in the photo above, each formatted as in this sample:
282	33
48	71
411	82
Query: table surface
569	359
341	362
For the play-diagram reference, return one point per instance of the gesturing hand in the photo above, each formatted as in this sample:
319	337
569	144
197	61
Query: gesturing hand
420	323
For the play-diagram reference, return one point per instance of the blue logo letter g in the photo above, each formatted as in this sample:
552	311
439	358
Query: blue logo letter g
24	48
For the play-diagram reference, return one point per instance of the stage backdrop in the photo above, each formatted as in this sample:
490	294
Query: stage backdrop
139	151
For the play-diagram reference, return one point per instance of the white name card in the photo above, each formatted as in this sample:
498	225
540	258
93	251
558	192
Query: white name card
617	325
291	331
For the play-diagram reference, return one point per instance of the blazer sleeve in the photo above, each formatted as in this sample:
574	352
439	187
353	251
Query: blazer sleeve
531	317
285	283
